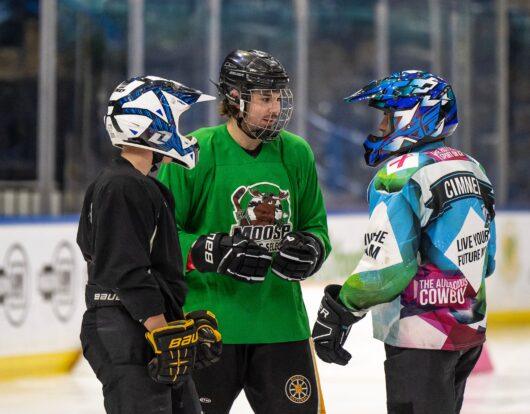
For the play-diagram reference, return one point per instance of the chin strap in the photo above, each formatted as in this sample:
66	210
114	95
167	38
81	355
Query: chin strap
244	127
157	159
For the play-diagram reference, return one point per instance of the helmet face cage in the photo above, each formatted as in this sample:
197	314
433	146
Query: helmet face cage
423	109
265	112
256	76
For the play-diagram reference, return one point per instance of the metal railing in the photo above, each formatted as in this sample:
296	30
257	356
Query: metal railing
24	199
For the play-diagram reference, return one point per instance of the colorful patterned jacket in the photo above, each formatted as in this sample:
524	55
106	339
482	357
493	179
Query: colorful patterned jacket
430	245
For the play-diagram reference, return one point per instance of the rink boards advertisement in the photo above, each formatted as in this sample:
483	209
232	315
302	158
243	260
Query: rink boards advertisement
42	274
42	278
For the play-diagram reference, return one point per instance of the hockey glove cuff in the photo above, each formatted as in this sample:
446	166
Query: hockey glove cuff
175	347
300	256
210	344
332	327
235	256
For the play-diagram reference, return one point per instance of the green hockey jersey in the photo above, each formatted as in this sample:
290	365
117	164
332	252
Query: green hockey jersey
262	197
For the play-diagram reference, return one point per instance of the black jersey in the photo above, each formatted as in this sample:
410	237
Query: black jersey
128	237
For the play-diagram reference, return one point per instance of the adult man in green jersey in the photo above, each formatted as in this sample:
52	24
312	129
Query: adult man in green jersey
252	225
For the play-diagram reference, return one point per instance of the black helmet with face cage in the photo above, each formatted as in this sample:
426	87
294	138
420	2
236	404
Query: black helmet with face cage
253	70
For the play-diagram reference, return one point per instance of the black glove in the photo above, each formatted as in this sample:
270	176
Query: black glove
175	347
210	345
299	256
332	327
235	256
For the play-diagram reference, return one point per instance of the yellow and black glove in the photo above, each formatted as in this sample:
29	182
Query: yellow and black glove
175	347
210	344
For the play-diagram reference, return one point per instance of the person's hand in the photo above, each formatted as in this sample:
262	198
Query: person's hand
210	344
332	327
175	347
299	256
235	256
153	322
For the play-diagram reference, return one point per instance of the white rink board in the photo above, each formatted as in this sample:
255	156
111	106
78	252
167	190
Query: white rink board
43	274
509	287
41	288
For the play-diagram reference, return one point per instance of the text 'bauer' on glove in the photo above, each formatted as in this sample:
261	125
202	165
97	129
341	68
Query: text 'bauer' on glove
235	256
300	255
210	344
175	347
332	327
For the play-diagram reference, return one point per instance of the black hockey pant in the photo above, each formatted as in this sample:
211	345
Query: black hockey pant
423	381
116	348
277	378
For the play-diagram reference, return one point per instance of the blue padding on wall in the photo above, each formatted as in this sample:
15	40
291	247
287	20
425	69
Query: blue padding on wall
7	221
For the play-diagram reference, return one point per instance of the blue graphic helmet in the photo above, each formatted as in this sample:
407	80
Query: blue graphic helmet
422	108
144	112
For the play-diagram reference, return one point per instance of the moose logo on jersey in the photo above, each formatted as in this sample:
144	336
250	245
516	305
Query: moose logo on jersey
262	213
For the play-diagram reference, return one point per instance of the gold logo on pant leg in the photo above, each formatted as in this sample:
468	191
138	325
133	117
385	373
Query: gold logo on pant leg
298	389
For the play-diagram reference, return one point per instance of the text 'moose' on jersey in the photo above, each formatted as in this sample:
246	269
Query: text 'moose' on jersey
262	197
429	246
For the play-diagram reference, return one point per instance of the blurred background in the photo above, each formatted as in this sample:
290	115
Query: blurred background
60	60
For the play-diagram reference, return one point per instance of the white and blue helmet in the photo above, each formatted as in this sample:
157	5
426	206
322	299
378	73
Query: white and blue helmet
144	112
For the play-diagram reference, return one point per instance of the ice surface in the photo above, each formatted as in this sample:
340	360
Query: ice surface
357	388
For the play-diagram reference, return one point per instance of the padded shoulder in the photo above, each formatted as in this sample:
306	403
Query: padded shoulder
395	174
295	144
205	135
